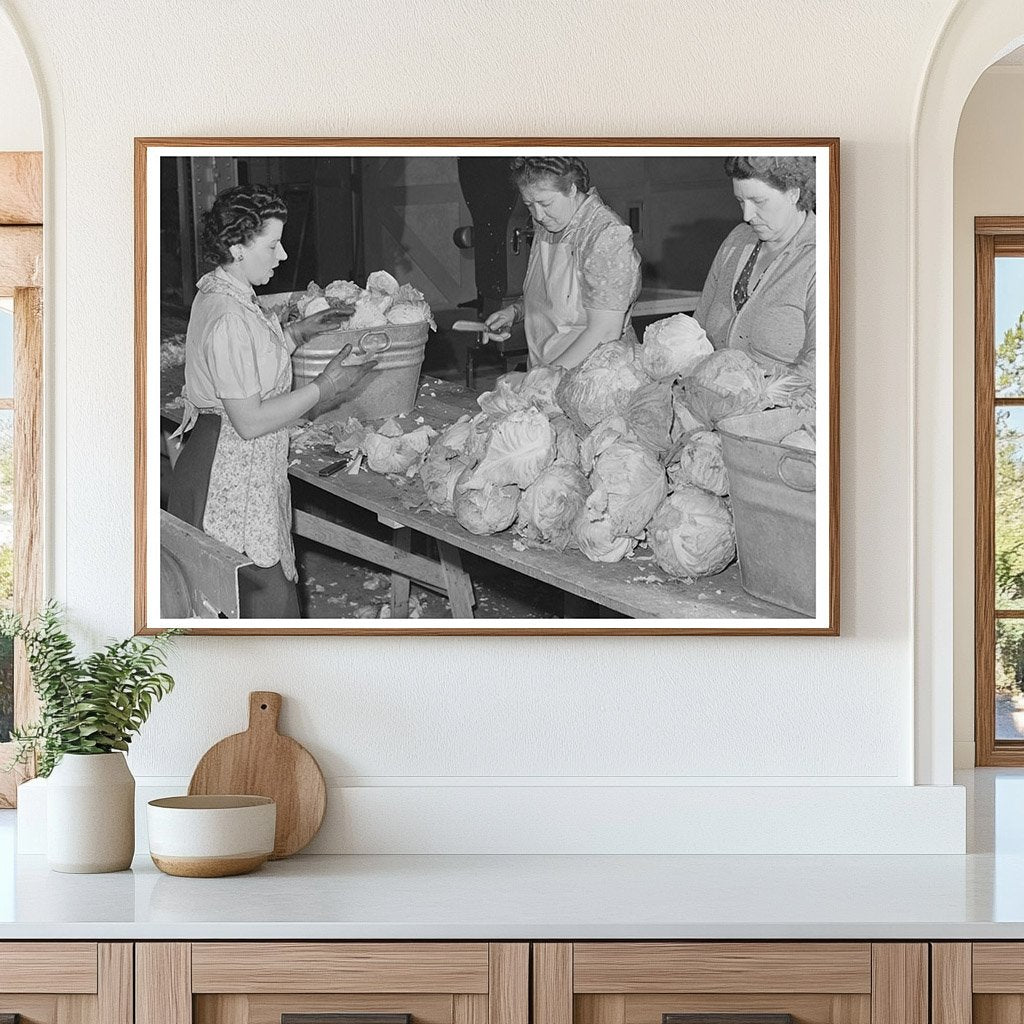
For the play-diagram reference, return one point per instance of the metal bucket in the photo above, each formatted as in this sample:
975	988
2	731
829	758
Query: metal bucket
389	390
772	487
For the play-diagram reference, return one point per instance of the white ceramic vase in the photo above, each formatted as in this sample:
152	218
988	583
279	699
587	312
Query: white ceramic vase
90	814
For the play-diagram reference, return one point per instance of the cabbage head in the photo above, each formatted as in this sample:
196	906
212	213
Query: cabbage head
439	473
538	387
514	391
601	385
368	313
487	509
410	313
408	293
317	304
685	422
628	486
692	534
456	435
726	383
344	291
550	505
518	448
381	281
650	416
605	434
598	541
401	454
674	346
701	465
504	399
567	444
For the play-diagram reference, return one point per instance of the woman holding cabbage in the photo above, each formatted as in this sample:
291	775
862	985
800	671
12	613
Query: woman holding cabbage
231	479
760	292
583	274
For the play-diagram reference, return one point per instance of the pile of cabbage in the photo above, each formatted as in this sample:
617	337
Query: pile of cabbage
617	452
383	301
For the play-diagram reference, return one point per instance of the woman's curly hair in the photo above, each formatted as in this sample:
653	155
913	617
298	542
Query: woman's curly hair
236	217
564	171
780	172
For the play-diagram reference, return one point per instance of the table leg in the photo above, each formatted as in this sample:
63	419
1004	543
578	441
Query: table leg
401	540
460	586
470	366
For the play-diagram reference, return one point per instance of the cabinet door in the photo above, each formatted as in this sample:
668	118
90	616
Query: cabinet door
332	983
66	982
730	983
981	982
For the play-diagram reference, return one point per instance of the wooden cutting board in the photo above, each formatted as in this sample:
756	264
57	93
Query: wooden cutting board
262	762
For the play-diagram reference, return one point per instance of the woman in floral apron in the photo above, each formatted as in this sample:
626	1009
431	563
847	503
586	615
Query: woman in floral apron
231	479
583	275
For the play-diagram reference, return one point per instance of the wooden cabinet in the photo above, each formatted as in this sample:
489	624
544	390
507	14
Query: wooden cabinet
512	982
262	982
652	982
979	982
66	982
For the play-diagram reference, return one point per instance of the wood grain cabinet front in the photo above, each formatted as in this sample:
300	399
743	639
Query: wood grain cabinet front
66	982
332	983
730	983
978	983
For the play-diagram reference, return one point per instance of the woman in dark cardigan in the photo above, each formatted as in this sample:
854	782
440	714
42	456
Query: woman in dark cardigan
760	292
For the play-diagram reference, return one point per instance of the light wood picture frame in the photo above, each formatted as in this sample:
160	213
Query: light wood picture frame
415	207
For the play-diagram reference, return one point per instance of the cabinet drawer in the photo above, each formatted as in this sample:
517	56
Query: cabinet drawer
65	967
332	983
66	982
733	982
632	967
340	967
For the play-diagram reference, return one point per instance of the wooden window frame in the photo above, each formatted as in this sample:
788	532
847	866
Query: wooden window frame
993	236
21	278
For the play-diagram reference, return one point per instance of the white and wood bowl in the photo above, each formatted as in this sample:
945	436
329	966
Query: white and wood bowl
211	836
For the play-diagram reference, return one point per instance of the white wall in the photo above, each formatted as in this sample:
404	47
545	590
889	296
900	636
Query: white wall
429	717
987	182
21	126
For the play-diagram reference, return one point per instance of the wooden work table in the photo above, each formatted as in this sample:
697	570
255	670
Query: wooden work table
634	587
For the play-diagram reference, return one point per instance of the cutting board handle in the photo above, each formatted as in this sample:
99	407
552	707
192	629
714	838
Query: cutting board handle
264	710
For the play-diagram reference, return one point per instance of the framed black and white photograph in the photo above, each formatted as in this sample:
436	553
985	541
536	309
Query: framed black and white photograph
462	386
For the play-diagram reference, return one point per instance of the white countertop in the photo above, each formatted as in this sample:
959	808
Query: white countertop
976	896
517	897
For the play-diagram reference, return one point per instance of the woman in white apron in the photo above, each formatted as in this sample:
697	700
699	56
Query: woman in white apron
583	274
231	479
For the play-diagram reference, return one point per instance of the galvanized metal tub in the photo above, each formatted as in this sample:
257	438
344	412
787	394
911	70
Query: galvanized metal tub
389	390
772	487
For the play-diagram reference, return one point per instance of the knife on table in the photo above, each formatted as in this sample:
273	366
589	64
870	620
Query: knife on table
334	467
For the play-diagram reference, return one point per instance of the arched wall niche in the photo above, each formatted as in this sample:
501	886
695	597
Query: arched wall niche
977	33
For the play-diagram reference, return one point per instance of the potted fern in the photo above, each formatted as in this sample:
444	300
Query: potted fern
89	709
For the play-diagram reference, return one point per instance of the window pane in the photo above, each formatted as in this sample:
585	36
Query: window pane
6	351
1009	679
1009	321
6	567
1009	525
